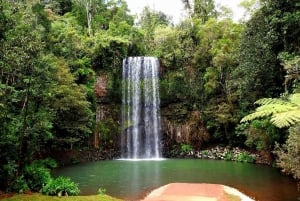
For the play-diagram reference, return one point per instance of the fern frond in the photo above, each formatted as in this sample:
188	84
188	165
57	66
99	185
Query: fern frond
277	108
268	101
295	99
286	119
267	110
255	115
283	112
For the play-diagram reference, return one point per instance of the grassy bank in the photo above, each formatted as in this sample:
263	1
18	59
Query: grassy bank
39	197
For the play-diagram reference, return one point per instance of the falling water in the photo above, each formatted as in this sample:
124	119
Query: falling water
140	108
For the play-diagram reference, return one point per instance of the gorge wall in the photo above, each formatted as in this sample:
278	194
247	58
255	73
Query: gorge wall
179	124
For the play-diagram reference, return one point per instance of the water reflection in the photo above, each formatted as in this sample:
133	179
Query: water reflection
141	176
131	179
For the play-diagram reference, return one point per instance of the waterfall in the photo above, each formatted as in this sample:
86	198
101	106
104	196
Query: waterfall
140	108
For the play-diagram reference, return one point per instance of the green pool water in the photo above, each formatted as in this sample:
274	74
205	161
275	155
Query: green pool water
133	179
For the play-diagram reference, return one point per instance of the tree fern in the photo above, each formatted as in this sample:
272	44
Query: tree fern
284	112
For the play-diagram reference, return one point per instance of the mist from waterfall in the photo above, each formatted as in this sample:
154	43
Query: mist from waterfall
140	109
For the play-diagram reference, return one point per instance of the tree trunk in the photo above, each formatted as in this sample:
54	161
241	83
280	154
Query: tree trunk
22	133
89	16
96	140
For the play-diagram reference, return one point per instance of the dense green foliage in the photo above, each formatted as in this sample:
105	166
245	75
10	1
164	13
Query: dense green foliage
35	176
48	64
289	155
61	186
39	197
53	52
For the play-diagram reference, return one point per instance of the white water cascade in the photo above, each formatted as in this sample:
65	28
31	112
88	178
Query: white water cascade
140	109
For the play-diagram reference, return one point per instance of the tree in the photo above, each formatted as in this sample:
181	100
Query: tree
25	118
250	7
216	55
259	72
34	92
284	111
277	34
149	21
283	18
98	14
204	9
5	21
272	29
188	6
72	121
201	9
64	7
291	65
152	19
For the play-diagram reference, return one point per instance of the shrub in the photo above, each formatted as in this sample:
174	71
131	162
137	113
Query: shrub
289	154
101	191
37	174
245	158
228	156
47	163
186	148
7	175
61	186
205	152
261	134
19	185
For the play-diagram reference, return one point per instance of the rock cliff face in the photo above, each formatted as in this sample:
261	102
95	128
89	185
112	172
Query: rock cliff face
180	126
101	111
101	86
108	114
